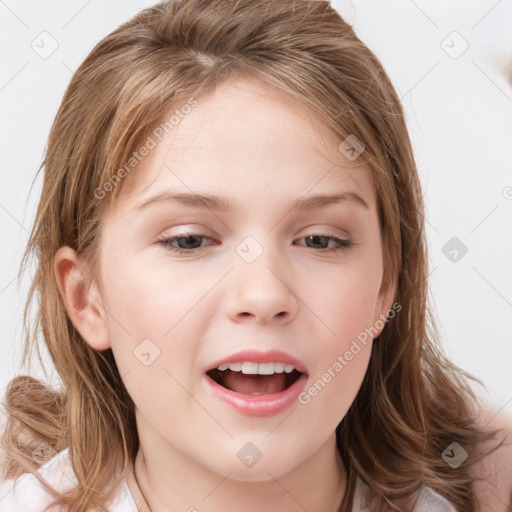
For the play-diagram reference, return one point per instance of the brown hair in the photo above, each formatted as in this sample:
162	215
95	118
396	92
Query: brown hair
413	402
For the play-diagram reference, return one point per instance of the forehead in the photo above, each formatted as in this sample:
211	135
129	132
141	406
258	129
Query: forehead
241	137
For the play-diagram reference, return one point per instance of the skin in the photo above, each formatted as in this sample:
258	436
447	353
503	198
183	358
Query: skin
250	143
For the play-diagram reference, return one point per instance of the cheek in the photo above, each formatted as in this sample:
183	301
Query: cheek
344	300
345	305
342	360
154	299
153	317
153	328
347	312
333	386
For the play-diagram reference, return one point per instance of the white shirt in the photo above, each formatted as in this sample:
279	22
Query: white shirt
27	494
428	501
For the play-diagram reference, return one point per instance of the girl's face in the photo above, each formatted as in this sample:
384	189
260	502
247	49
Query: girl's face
229	271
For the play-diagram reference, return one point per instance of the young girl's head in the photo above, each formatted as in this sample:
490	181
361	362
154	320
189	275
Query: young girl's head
233	182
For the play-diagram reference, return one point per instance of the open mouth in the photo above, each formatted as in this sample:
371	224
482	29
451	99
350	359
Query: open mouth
251	378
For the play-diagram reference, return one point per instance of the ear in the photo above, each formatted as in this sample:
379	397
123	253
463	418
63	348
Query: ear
384	304
83	304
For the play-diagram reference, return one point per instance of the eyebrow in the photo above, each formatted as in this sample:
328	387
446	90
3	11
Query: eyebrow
216	203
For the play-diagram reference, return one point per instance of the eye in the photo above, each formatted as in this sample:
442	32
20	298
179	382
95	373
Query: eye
187	240
190	243
339	244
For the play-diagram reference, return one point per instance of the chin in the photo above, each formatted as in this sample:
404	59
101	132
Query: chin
262	474
263	467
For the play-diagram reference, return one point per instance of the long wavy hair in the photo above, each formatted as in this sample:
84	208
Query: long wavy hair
413	402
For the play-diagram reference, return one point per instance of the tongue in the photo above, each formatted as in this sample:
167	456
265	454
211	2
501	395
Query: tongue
249	384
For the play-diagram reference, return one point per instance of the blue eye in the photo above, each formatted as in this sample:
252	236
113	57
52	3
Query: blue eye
187	243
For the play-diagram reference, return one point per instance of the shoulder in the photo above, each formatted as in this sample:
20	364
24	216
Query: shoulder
430	501
494	471
425	500
28	493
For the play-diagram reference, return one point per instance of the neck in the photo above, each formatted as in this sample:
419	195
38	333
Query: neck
170	481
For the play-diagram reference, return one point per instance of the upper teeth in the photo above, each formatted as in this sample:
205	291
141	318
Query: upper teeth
250	368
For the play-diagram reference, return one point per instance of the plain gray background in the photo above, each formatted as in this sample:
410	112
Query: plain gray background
451	63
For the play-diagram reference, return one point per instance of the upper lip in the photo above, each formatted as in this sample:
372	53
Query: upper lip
258	356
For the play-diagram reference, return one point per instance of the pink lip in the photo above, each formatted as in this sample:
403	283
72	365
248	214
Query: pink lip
260	405
255	356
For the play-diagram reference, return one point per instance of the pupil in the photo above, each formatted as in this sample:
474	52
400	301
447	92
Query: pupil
188	239
315	238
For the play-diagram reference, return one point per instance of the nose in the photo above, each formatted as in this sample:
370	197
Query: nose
260	292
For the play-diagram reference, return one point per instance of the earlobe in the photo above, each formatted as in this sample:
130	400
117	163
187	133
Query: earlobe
83	303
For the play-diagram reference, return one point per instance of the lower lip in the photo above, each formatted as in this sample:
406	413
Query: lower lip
259	405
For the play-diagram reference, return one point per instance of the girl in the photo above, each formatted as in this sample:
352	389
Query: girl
286	359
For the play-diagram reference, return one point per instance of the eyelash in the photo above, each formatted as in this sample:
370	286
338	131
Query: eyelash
341	245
